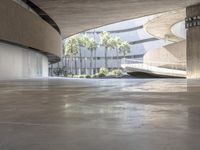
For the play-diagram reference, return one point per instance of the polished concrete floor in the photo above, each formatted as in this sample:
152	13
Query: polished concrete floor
125	114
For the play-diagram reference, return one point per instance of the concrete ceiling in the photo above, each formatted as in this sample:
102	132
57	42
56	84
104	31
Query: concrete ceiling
73	16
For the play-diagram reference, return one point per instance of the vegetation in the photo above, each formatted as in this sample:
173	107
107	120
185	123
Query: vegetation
117	73
118	41
105	38
124	48
87	76
82	43
72	51
91	45
95	76
103	72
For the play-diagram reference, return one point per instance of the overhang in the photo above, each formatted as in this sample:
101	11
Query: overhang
74	16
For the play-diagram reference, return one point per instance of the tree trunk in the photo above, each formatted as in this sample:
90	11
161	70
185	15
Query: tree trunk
91	62
117	59
81	62
95	61
62	67
86	65
68	66
71	70
106	59
65	66
58	69
112	63
76	70
52	70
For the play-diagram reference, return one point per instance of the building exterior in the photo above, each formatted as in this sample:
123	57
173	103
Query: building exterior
132	31
32	31
38	112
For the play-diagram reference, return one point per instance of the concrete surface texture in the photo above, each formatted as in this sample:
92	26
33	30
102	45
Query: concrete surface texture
193	44
173	55
73	16
169	56
179	30
161	25
60	114
20	26
143	70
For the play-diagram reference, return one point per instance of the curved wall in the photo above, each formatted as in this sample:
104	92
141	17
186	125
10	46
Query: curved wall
170	56
27	42
160	26
18	63
23	27
173	55
179	30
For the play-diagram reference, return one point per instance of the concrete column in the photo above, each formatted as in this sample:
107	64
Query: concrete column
193	41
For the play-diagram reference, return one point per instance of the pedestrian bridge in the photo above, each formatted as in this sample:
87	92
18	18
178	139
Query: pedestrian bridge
134	66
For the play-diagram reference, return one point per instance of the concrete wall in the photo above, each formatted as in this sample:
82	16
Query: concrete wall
20	26
29	31
179	30
19	63
160	26
170	56
193	45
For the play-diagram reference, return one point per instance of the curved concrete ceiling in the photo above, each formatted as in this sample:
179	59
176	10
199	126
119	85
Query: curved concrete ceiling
73	16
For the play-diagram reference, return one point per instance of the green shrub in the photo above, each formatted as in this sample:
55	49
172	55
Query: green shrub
81	76
95	76
101	75
87	76
66	75
103	72
75	76
117	73
69	76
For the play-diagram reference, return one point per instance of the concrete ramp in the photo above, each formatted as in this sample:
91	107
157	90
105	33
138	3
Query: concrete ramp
153	70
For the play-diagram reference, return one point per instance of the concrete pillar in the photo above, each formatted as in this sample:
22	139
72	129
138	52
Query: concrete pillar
193	41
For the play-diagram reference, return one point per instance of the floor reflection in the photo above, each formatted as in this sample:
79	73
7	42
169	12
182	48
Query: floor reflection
162	86
72	114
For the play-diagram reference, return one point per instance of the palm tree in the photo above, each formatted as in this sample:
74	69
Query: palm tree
72	49
112	45
96	45
105	37
95	53
82	43
124	48
65	67
118	45
92	46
